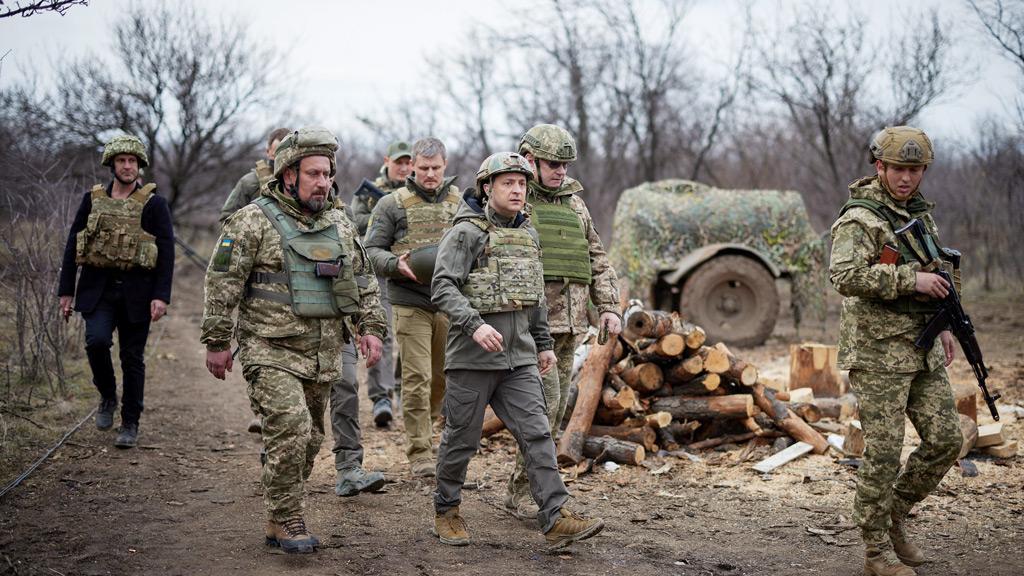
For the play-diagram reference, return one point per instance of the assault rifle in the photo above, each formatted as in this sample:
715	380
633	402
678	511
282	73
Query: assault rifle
369	190
193	256
950	315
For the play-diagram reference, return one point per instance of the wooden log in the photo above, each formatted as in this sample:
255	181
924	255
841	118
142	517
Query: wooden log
814	366
666	439
727	439
706	383
752	425
620	451
842	408
694	335
990	435
646	377
1005	450
786	420
685	370
610	416
668	347
648	323
658	419
800	395
853	439
739	371
714	359
591	382
683	431
618	399
969	431
966	396
706	408
492	424
809	412
644	435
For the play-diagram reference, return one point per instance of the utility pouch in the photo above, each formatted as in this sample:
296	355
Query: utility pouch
328	269
890	255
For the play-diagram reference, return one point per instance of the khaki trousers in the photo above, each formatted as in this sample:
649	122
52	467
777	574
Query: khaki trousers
421	336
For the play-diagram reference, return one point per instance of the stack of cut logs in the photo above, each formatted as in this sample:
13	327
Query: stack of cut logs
661	386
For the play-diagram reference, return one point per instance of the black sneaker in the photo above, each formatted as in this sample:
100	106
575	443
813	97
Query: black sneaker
127	436
105	414
382	414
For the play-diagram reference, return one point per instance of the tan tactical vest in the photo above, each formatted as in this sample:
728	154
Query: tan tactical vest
113	236
425	221
509	275
264	174
318	269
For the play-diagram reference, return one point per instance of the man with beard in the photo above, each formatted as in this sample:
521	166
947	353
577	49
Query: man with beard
293	265
123	240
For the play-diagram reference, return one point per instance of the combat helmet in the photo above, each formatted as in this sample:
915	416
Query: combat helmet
307	141
901	146
549	142
499	163
124	144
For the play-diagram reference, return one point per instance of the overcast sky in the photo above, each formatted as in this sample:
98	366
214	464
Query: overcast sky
374	49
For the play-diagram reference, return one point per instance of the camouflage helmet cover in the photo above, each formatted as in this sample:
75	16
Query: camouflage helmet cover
124	144
307	141
902	146
502	162
549	142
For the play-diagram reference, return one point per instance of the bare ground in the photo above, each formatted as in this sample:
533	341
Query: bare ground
187	500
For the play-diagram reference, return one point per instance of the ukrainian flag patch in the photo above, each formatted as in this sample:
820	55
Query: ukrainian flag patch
222	258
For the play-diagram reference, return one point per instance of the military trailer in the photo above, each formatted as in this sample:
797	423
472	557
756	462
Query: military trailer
715	256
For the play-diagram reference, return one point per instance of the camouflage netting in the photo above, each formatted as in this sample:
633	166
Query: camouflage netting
656	224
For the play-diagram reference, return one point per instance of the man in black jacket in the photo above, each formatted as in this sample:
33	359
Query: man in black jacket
123	240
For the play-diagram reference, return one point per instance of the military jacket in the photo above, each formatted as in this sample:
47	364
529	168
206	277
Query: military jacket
463	248
362	206
246	189
268	332
567	301
872	334
388	227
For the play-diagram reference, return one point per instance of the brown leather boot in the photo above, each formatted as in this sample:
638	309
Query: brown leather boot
884	563
451	528
907	552
291	536
571	527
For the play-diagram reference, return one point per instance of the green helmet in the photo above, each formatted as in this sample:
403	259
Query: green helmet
902	146
308	141
500	163
422	261
549	142
124	144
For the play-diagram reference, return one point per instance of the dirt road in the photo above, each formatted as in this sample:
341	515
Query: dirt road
187	500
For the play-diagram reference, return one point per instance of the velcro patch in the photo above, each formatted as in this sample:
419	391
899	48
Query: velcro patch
222	258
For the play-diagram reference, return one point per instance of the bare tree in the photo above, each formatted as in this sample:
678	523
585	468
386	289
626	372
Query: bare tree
26	9
1004	22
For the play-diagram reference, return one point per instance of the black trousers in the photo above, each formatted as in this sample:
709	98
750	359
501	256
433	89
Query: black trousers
110	314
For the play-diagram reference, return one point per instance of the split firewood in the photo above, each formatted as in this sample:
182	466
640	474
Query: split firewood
786	420
990	435
714	359
853	442
685	370
788	455
653	420
1007	449
693	335
814	366
618	399
739	371
809	412
619	451
706	408
799	395
644	435
591	382
969	431
666	439
668	347
646	377
610	416
842	408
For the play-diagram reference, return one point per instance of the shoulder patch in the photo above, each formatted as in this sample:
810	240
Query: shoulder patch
222	258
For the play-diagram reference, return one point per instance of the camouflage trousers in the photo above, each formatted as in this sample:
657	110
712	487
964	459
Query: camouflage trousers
556	395
883	487
292	410
421	336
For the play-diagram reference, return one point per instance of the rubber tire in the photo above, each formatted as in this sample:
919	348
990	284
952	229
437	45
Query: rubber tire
748	304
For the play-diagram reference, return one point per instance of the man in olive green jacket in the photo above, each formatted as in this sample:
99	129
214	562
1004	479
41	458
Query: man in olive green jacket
248	187
489	281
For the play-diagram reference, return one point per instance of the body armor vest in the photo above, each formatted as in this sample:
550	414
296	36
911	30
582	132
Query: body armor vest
317	269
566	255
425	221
113	236
508	276
907	304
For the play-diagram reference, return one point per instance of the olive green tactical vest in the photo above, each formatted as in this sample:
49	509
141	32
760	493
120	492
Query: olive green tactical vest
425	221
309	294
113	236
509	275
566	249
907	304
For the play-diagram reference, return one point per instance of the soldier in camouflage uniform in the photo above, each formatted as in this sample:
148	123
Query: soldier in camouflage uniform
885	307
294	266
401	240
380	383
576	271
248	187
489	281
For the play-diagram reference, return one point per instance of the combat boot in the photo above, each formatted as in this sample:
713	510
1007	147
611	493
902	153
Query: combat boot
906	550
255	426
355	480
878	562
423	468
127	436
451	528
382	414
291	536
571	527
521	506
105	413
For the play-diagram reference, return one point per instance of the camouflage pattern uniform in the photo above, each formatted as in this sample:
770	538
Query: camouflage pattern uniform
247	189
890	376
567	300
289	362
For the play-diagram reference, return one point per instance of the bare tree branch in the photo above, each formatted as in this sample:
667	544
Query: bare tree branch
26	9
